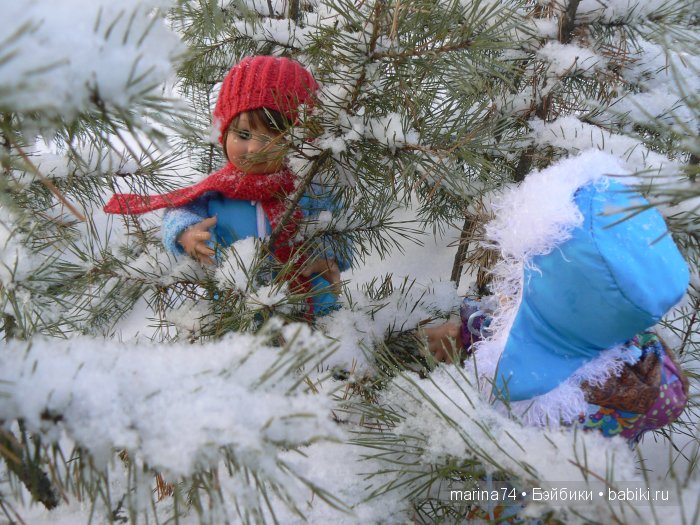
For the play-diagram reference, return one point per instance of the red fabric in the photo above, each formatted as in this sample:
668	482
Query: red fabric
269	190
275	83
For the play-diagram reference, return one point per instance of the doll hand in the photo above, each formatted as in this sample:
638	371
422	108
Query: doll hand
194	239
444	341
326	268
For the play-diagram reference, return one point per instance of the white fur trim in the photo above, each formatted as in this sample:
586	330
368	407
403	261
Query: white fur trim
260	219
564	404
533	219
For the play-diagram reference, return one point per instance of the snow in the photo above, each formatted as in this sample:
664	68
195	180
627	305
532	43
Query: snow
157	266
150	393
364	322
236	268
210	397
57	165
101	54
568	58
670	83
574	136
545	27
15	259
388	130
266	400
447	417
262	6
618	10
283	32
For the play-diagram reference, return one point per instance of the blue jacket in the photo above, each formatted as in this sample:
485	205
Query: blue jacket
238	220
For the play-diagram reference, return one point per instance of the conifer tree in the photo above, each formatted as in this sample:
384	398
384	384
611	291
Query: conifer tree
229	409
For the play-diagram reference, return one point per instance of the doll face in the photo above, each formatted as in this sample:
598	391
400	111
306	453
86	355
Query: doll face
253	147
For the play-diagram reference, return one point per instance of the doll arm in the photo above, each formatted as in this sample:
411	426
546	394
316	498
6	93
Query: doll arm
328	269
444	341
454	339
177	220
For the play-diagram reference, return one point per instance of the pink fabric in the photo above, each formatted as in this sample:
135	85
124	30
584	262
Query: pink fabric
667	407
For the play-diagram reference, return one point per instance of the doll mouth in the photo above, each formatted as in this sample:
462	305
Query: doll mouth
259	168
261	165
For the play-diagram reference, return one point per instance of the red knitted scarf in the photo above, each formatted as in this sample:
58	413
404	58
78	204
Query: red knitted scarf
270	190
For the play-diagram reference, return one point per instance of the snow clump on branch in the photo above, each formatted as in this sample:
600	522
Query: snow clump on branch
105	51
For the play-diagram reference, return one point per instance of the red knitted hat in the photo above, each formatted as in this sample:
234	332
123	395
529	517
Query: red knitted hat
275	83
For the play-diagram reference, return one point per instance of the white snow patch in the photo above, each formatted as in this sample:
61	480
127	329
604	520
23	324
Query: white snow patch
567	58
118	51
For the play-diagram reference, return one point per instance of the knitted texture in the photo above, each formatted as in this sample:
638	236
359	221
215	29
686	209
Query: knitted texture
270	190
274	83
176	221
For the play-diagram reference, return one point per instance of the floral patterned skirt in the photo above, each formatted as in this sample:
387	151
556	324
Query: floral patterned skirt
648	395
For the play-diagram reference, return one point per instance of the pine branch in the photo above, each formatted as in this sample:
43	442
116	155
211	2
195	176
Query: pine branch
27	471
296	197
567	25
376	26
47	182
414	53
567	22
462	248
691	326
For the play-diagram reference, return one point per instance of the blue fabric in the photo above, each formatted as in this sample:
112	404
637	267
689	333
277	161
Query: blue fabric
324	301
594	291
176	221
237	220
317	200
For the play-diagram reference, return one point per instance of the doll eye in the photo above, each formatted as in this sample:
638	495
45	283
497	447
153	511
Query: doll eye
244	134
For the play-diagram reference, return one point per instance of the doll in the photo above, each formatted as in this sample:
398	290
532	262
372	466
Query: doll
573	345
259	99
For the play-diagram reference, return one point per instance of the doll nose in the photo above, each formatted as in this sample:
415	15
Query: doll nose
257	144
